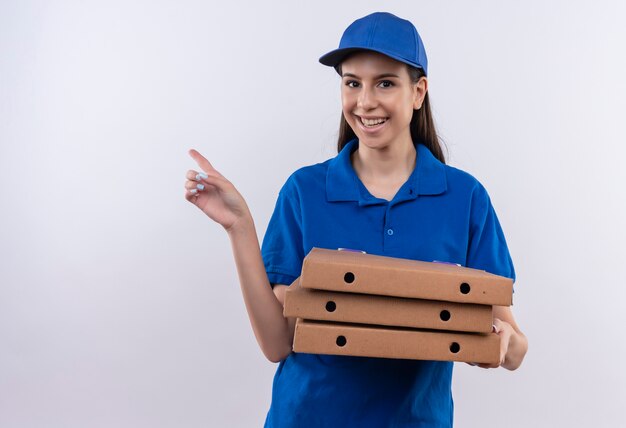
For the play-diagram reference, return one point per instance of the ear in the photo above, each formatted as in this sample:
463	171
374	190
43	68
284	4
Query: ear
420	89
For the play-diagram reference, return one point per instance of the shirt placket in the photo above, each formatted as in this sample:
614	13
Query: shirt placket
389	232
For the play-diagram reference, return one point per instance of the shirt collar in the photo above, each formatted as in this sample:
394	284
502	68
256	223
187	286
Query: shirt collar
342	183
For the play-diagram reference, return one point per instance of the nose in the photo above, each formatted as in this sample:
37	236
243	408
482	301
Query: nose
367	99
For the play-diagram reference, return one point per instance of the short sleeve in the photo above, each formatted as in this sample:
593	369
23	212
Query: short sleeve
487	249
282	248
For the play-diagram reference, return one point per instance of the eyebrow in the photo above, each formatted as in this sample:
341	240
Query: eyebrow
380	76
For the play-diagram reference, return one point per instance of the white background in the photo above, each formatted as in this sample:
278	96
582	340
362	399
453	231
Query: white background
119	300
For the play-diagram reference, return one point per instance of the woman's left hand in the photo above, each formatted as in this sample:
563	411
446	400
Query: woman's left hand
504	330
513	343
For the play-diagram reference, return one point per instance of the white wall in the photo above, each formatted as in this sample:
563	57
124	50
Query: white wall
119	304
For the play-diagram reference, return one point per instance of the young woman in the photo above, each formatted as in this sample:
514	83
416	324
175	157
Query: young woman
387	192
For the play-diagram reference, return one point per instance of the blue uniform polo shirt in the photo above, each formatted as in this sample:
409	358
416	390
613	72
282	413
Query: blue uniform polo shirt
440	213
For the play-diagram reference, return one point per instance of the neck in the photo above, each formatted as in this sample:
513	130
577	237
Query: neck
392	163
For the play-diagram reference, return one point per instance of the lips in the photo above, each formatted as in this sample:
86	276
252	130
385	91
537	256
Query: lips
372	124
373	121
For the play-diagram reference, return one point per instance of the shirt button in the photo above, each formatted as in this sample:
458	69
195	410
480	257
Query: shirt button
389	232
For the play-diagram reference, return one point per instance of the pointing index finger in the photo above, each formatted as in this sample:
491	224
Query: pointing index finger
202	161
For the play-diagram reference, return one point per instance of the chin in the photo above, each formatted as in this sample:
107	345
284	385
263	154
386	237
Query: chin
373	142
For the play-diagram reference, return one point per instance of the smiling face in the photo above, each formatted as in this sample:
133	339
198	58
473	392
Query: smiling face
378	98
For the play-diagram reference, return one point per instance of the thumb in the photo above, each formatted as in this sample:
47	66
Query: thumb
497	326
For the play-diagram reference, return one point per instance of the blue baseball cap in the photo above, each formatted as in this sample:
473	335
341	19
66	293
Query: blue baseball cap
384	33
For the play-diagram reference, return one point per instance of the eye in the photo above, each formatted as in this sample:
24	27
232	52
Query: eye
386	83
352	83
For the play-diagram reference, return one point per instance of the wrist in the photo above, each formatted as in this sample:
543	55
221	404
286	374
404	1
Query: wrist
240	227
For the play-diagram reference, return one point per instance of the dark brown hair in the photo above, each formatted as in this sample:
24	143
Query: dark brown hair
422	124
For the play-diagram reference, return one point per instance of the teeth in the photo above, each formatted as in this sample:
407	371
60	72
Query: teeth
372	122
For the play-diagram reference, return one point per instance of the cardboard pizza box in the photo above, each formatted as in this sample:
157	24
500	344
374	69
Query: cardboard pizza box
384	310
356	272
318	337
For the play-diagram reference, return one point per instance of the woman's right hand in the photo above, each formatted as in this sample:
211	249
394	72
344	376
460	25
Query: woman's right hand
219	199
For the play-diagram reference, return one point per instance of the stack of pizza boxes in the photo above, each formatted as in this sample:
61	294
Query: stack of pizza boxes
351	303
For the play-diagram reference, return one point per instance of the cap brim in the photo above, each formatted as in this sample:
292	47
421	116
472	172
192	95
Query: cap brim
335	57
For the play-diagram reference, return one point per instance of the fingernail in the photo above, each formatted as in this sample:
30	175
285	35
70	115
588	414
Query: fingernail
200	186
193	191
201	175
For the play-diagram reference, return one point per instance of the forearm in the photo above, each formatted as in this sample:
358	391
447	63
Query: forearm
264	310
279	291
